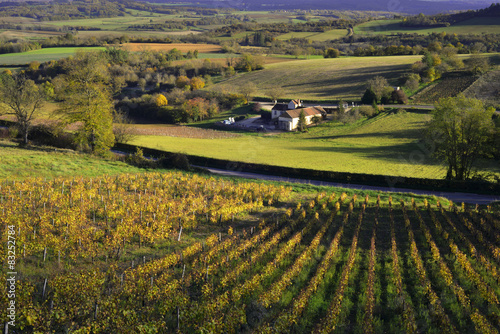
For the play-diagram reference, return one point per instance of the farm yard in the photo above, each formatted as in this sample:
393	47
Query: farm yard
170	251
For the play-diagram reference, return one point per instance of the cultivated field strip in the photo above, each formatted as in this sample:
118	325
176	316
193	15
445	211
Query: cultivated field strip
177	253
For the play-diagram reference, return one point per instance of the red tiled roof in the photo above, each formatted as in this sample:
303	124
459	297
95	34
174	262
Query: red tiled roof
310	111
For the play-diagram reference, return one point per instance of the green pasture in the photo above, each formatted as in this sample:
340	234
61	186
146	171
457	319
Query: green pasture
111	23
42	55
134	33
315	36
390	27
324	79
386	144
18	163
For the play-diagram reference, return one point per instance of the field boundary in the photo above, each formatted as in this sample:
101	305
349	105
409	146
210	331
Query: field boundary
474	187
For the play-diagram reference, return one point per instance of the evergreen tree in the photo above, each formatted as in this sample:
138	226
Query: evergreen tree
302	122
369	97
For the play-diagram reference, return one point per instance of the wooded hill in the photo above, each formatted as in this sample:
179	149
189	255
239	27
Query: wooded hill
444	20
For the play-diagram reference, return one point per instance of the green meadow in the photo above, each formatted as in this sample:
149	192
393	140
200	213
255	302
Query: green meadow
42	55
19	163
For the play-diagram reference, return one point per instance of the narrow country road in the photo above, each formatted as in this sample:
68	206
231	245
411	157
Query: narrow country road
453	196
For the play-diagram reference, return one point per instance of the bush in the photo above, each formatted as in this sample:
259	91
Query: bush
399	96
367	111
175	160
137	159
52	135
350	117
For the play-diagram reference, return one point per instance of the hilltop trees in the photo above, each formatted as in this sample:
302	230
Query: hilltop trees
458	133
85	90
23	99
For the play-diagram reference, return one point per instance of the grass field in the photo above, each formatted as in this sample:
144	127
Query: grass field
387	145
183	47
16	163
315	36
325	79
42	55
390	27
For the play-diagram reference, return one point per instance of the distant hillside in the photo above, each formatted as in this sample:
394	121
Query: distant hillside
443	20
401	6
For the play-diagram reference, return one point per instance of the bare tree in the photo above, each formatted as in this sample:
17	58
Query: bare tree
275	92
23	99
248	90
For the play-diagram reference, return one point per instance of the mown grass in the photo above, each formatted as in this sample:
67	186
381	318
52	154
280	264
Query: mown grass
42	55
324	79
20	163
390	27
388	144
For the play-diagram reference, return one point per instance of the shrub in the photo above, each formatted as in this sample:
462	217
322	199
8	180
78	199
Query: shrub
367	111
137	159
51	135
175	160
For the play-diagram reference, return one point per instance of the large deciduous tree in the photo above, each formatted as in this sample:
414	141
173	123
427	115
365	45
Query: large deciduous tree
86	92
459	132
23	99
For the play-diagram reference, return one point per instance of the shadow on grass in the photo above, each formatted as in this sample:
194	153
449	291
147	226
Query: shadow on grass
401	134
349	80
411	153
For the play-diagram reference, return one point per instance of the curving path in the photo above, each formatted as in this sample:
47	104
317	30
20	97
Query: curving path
453	196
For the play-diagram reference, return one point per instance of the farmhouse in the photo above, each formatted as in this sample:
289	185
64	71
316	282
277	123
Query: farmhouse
289	120
294	104
279	108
